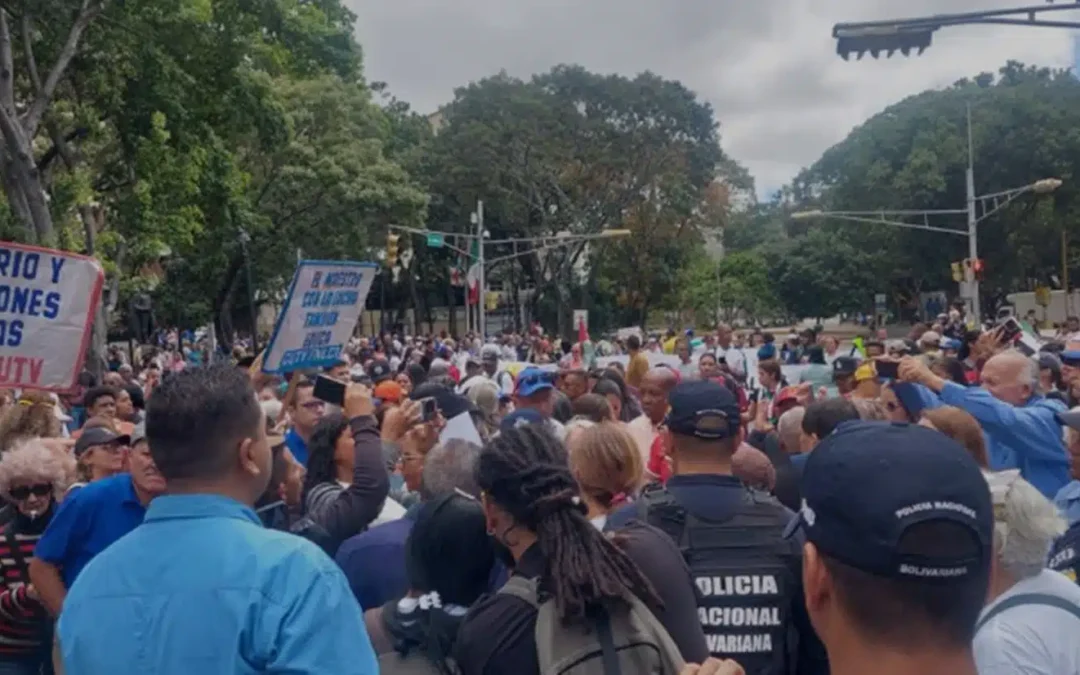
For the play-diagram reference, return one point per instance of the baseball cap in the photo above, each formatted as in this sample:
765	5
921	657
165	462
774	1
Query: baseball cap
489	353
389	391
532	380
520	418
99	436
378	370
865	487
789	394
865	371
844	366
703	409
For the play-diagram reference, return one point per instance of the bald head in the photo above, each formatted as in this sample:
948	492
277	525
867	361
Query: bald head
753	467
654	390
1011	377
789	427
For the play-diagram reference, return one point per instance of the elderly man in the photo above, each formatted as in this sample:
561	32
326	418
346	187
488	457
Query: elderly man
1026	625
1067	500
1021	427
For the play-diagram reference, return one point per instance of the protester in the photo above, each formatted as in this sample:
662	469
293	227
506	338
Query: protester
489	359
655	387
202	585
374	561
613	395
819	372
305	411
536	393
33	416
593	407
33	478
574	384
99	454
1026	627
729	534
448	561
961	427
638	365
606	464
628	406
733	358
1021	427
538	521
821	419
88	521
895	566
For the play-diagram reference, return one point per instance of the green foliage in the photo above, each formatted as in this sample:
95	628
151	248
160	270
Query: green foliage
913	156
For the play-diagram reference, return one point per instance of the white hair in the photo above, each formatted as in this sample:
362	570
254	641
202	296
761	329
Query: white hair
789	427
1025	524
579	422
1029	374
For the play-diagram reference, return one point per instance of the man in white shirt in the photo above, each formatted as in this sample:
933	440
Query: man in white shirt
734	358
1032	619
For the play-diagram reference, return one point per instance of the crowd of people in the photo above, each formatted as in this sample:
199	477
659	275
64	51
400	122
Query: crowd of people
480	507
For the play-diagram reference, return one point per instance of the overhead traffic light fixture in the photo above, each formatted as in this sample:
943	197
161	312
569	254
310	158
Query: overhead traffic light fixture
860	39
906	35
392	249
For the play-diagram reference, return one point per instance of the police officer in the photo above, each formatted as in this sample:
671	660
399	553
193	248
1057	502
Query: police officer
747	574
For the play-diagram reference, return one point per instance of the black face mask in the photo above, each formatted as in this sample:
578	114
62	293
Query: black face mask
503	554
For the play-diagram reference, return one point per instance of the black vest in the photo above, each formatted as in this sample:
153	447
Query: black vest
744	571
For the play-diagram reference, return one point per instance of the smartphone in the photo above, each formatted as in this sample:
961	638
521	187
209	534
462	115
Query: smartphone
1010	329
329	390
429	409
889	370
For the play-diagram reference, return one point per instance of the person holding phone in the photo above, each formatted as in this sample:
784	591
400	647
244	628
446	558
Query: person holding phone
344	508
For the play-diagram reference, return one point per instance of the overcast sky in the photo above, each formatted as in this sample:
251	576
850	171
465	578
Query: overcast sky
768	67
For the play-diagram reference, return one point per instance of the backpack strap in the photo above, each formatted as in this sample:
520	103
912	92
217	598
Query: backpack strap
1044	599
609	656
522	588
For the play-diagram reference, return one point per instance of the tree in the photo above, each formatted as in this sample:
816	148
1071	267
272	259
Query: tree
913	156
576	152
820	275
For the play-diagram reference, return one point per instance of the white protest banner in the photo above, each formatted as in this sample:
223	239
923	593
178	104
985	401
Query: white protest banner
48	300
324	303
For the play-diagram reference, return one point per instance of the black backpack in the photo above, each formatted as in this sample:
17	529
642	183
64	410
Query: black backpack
745	573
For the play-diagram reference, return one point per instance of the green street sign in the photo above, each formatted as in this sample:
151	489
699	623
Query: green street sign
435	240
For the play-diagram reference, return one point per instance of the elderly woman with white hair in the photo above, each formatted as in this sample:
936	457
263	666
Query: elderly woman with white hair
32	478
1032	616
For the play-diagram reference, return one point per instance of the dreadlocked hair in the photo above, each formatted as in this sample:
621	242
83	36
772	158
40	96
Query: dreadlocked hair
526	472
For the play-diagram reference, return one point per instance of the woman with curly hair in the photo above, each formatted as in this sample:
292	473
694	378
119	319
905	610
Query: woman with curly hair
33	416
32	478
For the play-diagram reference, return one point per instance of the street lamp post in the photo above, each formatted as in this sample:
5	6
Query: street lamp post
990	204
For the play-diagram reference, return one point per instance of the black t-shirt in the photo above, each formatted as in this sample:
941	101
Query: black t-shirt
498	634
1065	554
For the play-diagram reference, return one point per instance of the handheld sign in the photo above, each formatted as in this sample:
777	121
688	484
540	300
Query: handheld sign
48	300
323	305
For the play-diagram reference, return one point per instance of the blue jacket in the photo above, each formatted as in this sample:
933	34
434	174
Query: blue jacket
1028	438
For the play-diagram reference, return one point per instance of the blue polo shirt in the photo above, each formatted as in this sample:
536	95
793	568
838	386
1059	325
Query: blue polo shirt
201	587
296	446
374	561
87	522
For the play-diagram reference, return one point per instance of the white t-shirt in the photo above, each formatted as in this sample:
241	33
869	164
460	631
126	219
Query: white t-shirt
1031	639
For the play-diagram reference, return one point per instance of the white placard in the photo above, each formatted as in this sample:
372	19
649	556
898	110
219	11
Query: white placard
460	426
581	316
324	303
47	304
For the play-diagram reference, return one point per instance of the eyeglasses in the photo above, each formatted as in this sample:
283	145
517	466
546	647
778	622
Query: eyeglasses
24	491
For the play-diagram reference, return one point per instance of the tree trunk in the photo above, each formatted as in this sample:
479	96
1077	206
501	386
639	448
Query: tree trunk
223	302
99	332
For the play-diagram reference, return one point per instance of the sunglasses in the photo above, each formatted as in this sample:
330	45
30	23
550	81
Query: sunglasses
23	491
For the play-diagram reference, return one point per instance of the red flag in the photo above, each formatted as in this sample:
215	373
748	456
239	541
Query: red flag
582	332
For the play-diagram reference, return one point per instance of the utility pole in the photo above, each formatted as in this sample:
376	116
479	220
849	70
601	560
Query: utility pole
482	300
972	225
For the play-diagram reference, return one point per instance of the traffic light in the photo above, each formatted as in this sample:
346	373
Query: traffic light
391	249
876	38
957	272
977	268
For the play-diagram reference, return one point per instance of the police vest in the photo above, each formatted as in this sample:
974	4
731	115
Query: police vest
744	571
1064	556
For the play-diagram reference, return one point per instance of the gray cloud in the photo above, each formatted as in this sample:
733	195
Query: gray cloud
770	69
